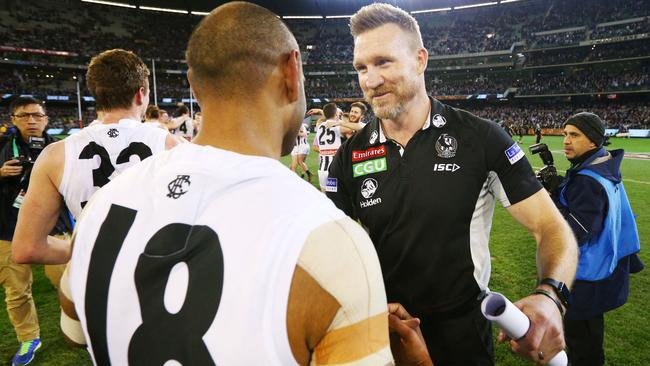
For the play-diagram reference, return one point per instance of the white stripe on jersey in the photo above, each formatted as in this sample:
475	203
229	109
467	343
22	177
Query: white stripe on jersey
324	162
301	140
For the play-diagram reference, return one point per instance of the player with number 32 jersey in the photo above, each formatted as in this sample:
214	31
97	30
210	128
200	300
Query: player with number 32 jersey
98	153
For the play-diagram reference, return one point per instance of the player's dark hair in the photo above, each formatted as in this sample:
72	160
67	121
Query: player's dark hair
182	110
329	110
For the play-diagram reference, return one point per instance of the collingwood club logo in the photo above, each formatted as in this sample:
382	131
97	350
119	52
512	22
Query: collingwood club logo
113	133
373	137
439	121
446	146
178	186
368	188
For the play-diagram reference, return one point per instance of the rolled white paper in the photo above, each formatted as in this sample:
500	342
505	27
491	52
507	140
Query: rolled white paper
514	323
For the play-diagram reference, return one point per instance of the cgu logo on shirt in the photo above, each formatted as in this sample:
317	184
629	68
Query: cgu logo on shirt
369	167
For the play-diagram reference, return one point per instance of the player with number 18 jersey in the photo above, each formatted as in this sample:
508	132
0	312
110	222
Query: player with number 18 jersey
165	266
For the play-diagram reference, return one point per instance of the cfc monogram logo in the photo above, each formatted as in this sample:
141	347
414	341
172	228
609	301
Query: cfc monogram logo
113	133
177	187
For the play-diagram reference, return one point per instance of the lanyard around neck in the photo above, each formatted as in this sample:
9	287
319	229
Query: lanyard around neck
16	154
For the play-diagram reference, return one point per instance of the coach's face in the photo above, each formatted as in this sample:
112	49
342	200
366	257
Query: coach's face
386	60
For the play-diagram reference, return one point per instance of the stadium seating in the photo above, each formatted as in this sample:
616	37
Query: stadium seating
532	50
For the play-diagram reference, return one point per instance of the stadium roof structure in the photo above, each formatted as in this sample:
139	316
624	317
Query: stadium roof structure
306	8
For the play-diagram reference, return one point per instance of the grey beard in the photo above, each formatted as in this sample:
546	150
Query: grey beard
390	113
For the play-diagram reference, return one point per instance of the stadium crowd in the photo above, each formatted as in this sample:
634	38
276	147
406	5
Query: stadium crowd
587	81
497	28
616	115
328	42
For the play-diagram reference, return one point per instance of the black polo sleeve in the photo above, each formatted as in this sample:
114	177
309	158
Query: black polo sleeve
338	191
508	160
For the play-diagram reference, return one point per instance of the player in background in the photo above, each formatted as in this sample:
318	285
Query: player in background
152	117
300	151
328	138
198	119
163	118
355	116
72	170
183	125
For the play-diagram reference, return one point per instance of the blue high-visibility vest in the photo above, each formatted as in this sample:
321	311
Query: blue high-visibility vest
618	238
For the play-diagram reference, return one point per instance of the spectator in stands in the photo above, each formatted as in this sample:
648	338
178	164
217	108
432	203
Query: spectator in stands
593	201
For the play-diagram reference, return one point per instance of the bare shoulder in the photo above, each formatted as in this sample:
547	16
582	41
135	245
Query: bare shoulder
51	160
339	287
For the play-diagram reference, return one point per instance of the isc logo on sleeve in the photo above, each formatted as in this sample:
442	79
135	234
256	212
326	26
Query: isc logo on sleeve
369	167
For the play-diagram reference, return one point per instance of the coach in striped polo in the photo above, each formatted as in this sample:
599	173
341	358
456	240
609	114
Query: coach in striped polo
424	178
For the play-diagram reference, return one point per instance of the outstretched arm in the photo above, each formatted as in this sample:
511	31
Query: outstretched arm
557	257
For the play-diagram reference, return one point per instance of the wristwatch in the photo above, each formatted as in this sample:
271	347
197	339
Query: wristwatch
560	290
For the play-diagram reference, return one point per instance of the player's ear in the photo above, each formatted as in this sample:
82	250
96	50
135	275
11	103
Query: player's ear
190	80
141	96
422	59
292	76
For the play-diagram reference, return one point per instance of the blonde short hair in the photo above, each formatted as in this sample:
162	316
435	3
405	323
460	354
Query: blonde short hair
375	15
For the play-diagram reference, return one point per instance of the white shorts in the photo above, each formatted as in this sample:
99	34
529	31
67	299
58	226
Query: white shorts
322	178
302	149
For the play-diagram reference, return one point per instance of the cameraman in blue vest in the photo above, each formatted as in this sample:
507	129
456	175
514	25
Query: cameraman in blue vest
593	201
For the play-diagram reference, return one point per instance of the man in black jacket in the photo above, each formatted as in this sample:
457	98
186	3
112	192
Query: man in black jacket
593	201
18	150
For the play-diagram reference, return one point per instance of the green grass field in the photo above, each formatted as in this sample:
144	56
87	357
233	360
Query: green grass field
627	334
